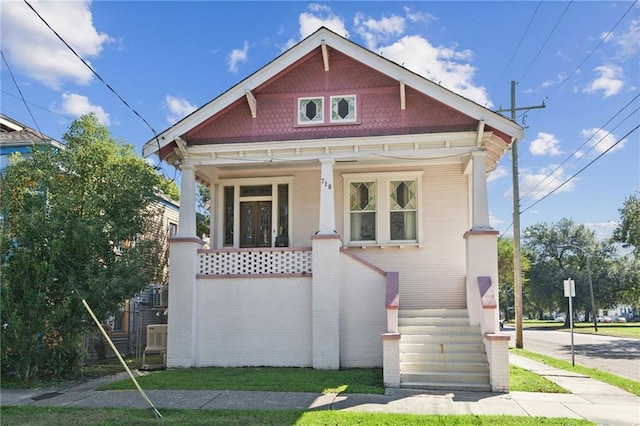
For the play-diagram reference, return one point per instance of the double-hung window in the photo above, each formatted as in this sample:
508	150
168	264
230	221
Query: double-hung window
382	209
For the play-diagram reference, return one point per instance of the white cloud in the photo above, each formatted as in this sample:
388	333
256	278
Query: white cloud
178	108
603	230
628	42
442	65
375	31
237	56
35	51
77	105
498	173
610	81
319	16
599	141
545	144
537	184
418	16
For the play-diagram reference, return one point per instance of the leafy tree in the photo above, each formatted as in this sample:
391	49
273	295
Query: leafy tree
203	215
506	274
73	221
628	231
560	251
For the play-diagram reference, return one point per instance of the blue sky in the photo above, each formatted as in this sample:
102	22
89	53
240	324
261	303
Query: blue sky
164	59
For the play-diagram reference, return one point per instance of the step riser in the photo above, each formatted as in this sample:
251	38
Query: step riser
458	368
444	322
441	340
438	357
436	313
447	386
426	378
439	330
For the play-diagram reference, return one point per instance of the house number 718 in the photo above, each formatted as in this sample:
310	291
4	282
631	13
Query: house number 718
325	183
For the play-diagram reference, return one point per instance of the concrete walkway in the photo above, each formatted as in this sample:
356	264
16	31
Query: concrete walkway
589	399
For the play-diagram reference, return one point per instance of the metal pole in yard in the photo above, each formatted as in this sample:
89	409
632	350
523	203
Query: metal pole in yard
124	364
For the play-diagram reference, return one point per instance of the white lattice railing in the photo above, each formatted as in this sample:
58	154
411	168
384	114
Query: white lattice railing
268	261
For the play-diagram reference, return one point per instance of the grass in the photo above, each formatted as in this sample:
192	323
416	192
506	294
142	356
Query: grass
521	380
629	330
114	416
355	380
629	385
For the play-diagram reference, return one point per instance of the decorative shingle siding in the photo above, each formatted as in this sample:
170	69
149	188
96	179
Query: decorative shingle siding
378	107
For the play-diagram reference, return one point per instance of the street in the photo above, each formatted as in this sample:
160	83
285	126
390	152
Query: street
616	355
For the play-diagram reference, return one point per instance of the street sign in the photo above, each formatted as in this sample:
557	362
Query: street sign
569	288
570	292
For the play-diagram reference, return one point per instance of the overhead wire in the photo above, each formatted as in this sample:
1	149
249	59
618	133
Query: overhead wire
20	91
546	41
155	134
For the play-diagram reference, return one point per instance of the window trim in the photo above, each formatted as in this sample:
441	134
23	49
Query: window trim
383	207
236	183
321	120
355	109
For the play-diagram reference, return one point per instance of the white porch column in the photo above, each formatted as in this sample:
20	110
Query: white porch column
327	222
480	212
187	226
212	213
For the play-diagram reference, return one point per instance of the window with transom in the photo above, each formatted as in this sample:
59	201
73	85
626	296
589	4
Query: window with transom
383	209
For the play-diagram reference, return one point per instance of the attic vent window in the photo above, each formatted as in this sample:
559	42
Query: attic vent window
343	109
310	111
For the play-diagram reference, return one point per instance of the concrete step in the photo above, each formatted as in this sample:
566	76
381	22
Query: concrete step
442	348
451	330
444	367
462	386
445	377
443	339
450	357
435	321
433	313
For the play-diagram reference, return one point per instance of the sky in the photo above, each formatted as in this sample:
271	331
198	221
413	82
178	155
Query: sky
154	62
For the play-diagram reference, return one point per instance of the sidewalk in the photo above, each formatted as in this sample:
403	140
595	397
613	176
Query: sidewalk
589	399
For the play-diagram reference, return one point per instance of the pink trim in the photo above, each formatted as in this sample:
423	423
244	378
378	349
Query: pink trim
364	262
186	240
326	237
498	337
480	232
253	249
390	336
303	274
489	306
392	299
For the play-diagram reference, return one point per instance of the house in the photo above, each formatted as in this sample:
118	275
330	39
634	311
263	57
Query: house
349	226
16	137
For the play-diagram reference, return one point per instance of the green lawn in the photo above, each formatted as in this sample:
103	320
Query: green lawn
630	330
45	416
623	383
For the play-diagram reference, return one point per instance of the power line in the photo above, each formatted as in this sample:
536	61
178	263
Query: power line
38	106
535	12
572	155
602	40
546	41
20	91
91	69
584	168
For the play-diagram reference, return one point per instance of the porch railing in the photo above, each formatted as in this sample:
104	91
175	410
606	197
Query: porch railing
255	261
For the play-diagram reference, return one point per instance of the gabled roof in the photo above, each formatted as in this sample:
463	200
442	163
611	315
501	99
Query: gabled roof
324	36
14	134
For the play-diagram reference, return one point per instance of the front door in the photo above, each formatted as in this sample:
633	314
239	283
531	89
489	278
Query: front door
255	224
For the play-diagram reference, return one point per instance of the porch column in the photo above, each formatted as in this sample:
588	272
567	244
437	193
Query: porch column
187	225
327	223
480	212
212	213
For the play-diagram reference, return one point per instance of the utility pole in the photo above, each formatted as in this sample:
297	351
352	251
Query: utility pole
517	261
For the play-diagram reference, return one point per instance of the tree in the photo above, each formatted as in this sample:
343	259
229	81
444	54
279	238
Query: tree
557	259
505	273
628	231
73	221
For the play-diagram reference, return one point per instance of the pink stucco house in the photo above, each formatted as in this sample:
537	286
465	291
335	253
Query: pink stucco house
349	223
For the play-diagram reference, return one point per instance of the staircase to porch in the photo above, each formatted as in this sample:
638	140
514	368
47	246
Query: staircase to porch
439	350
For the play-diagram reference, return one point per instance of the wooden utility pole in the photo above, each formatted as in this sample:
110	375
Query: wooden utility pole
517	259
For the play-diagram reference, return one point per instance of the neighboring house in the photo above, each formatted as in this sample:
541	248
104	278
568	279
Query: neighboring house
16	137
349	227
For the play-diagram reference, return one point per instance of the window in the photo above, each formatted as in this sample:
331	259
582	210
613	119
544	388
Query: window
340	109
343	109
256	212
310	111
173	229
383	209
